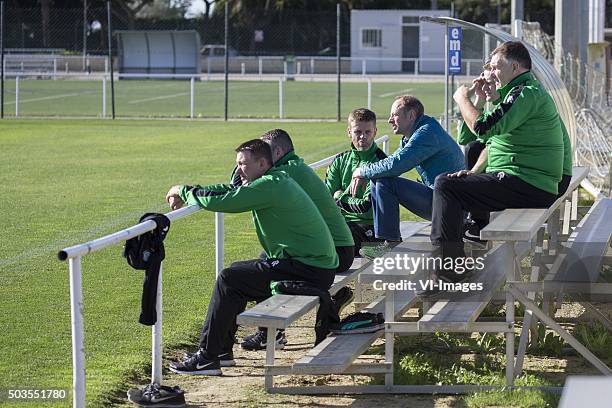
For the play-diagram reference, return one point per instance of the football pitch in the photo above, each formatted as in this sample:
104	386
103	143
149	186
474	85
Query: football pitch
172	98
70	181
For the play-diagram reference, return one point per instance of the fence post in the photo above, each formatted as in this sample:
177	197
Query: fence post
16	96
192	97
260	67
156	334
78	347
312	68
369	93
242	68
363	67
280	98
54	67
103	97
299	68
219	243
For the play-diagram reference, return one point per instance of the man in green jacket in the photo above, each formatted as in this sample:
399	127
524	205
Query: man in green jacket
285	159
357	211
297	244
525	157
475	153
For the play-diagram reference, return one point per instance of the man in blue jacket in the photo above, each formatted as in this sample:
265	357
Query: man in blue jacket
424	146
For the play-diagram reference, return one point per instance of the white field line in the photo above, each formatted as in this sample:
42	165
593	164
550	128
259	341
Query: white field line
46	98
395	93
50	249
157	98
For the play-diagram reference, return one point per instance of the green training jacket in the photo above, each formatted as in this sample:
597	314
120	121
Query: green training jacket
523	134
466	136
287	222
338	177
312	184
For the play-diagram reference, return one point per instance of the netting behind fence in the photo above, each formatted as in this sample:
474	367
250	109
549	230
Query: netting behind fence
590	90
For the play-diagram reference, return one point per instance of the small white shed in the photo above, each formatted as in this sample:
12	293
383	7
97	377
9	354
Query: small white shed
382	38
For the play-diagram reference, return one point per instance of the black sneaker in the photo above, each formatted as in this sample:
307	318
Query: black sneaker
360	322
342	298
225	359
199	363
259	340
471	233
154	395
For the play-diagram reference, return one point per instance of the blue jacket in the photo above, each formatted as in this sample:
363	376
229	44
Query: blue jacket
430	150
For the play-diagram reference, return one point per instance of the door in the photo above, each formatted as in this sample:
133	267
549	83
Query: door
410	46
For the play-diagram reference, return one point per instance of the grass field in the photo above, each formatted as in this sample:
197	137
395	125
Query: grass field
248	99
67	182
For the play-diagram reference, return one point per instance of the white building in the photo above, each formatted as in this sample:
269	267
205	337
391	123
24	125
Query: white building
382	38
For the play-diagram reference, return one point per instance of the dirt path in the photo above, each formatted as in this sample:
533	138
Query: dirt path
242	385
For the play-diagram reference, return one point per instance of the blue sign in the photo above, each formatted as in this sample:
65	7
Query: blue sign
454	50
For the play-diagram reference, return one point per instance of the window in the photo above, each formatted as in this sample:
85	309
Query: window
371	37
410	20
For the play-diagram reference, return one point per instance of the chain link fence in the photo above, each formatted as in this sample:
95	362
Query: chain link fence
591	92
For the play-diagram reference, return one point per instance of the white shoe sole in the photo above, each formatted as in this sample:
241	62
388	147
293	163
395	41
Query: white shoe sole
216	371
278	346
227	363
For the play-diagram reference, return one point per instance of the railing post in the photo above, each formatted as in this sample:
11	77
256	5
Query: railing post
156	333
281	102
363	67
78	347
369	93
103	97
386	146
219	242
192	97
260	67
17	96
312	68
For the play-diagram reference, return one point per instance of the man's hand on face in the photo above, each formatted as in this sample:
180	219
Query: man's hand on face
463	92
173	198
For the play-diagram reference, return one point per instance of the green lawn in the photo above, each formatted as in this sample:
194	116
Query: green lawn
170	98
67	182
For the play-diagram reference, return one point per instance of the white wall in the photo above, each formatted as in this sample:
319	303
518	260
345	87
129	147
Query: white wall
431	43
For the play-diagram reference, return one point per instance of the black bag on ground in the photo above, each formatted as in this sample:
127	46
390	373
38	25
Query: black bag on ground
146	252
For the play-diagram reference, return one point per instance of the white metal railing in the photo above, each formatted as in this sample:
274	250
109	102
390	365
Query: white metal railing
74	254
52	64
190	106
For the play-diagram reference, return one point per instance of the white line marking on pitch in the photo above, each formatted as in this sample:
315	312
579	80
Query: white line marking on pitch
160	97
403	91
46	98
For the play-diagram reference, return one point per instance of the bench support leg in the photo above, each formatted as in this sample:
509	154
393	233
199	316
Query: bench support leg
270	348
389	337
528	320
602	318
592	358
512	269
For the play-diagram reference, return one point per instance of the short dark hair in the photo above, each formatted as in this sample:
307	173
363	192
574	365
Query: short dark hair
278	138
515	51
362	115
258	148
410	102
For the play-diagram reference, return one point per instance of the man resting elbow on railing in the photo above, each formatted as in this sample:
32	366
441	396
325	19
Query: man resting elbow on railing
298	246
